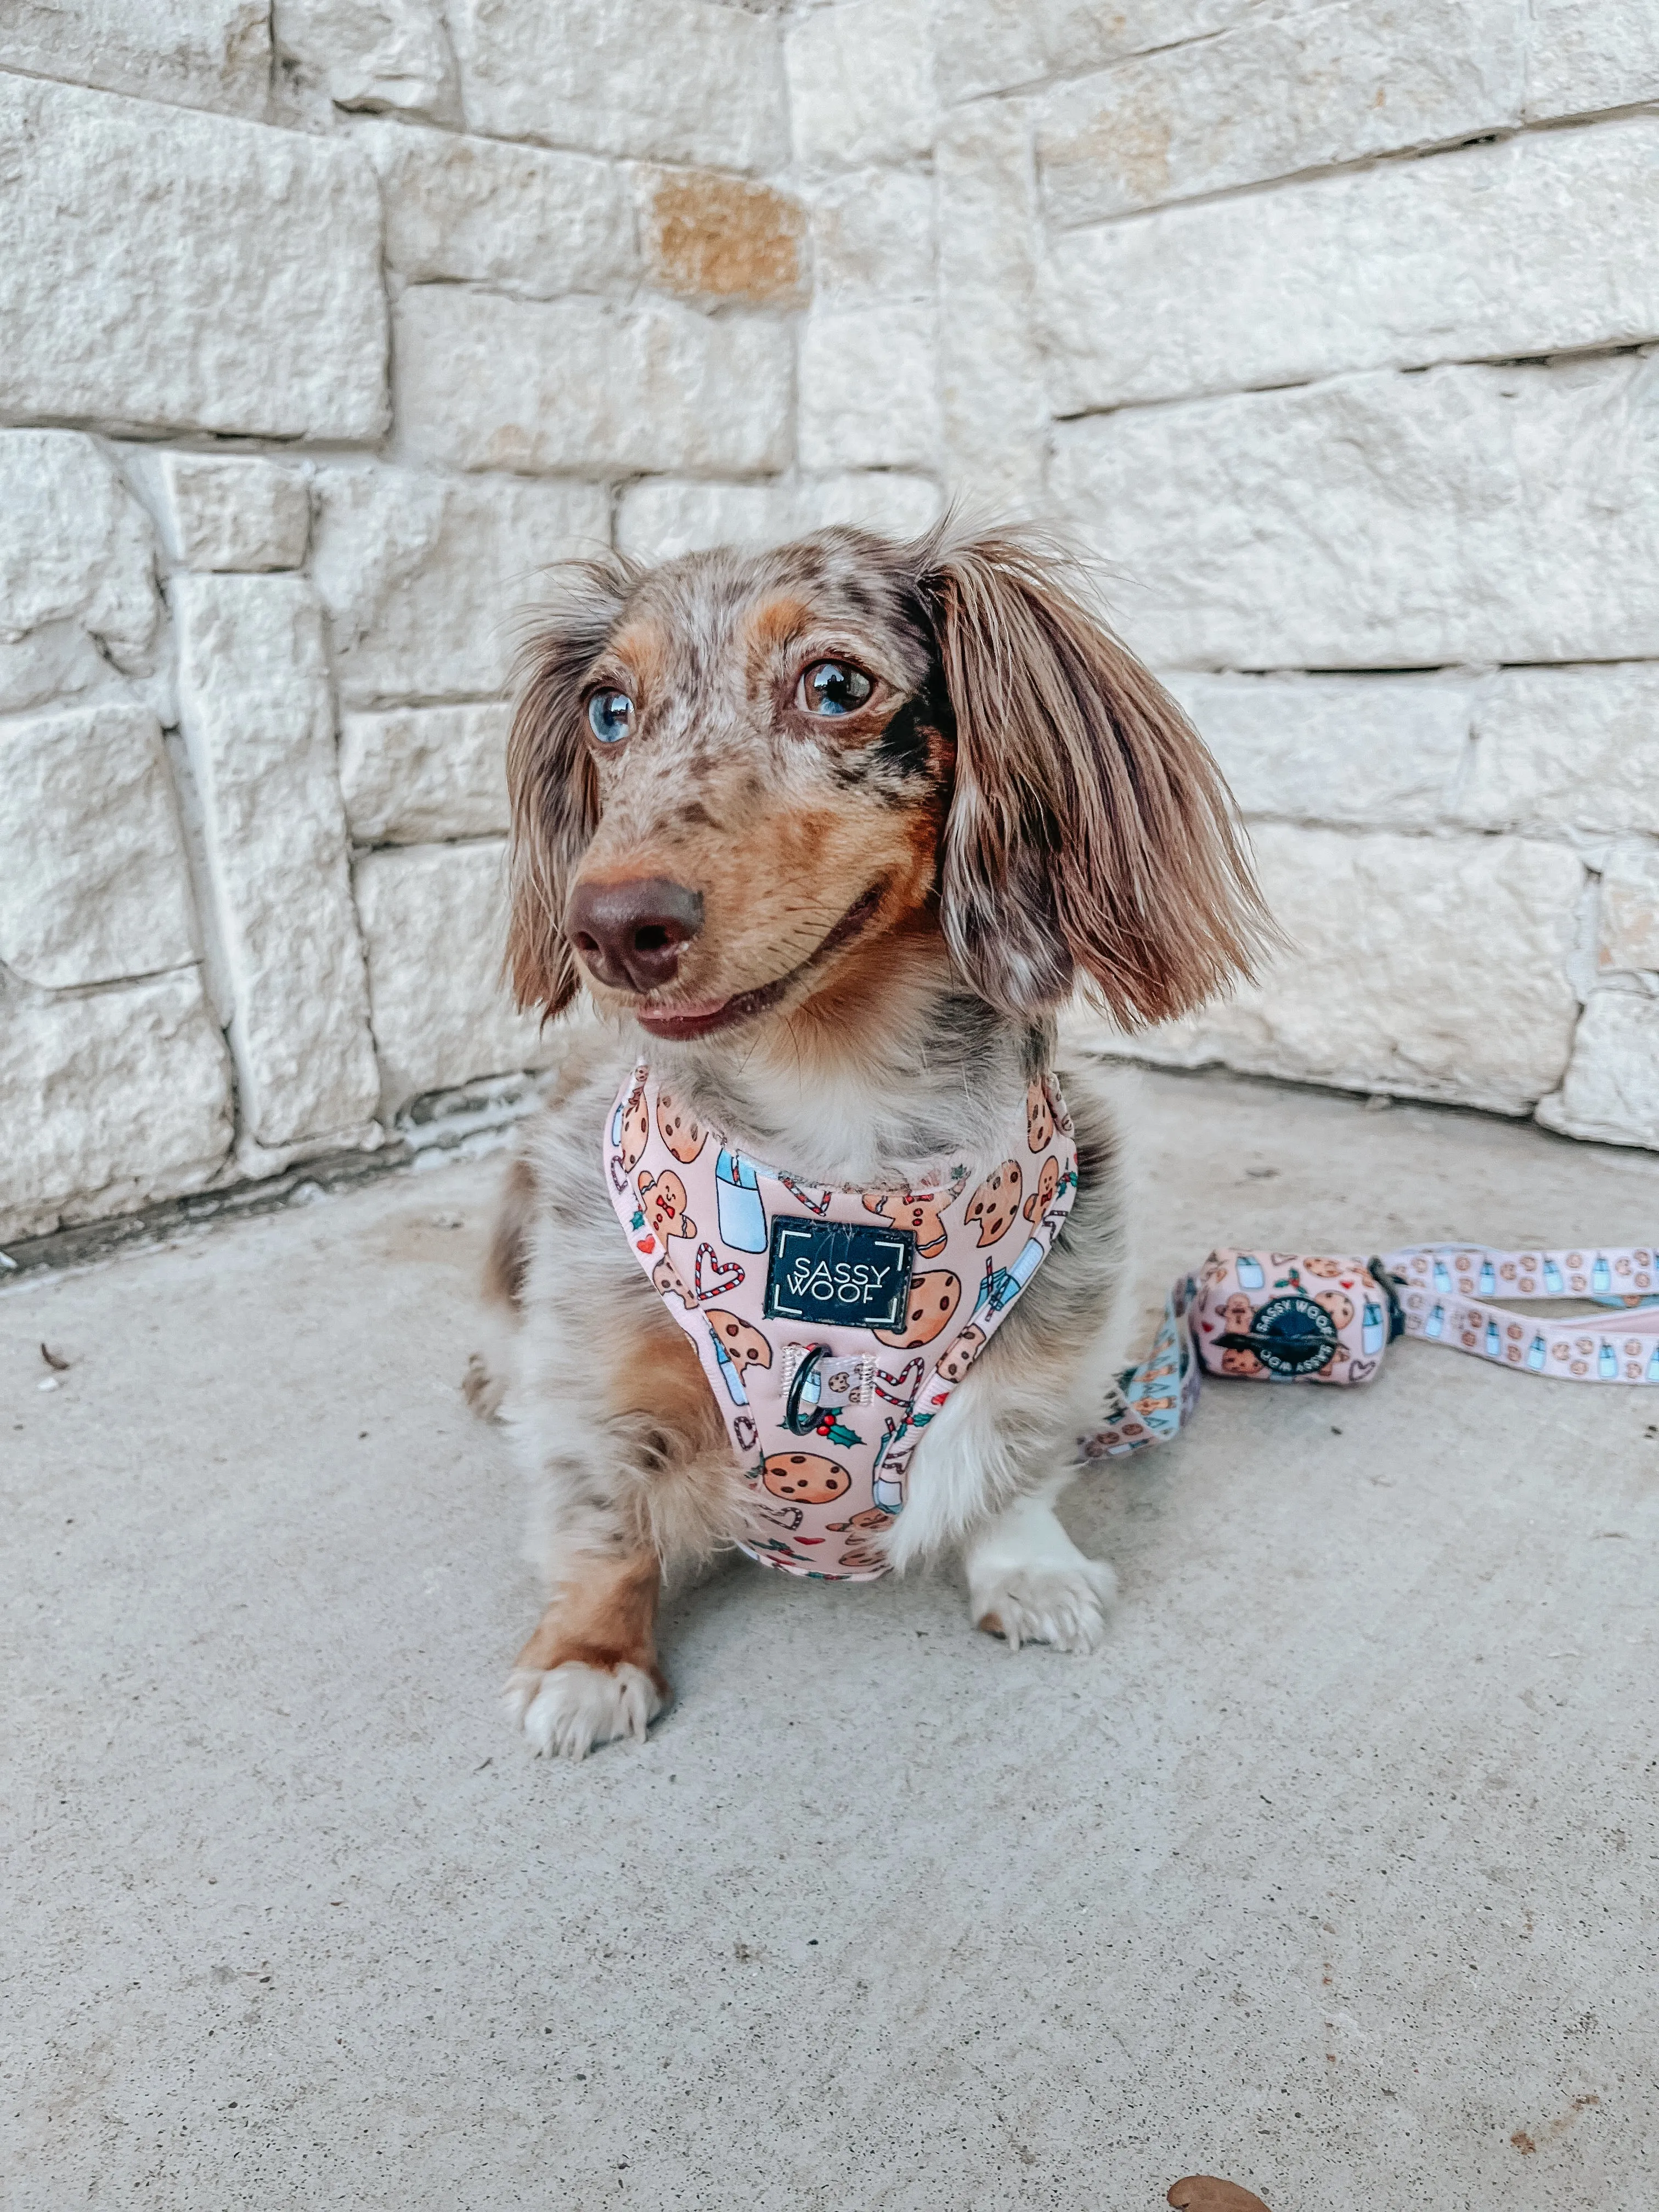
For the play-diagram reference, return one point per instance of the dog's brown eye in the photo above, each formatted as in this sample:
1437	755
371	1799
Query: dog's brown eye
610	716
832	687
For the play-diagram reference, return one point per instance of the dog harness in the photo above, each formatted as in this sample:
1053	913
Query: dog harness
832	1323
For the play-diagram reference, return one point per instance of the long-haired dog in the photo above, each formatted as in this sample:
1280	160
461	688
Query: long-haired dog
829	835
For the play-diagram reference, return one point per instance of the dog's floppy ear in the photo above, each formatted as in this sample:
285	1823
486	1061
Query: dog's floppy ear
1091	837
551	782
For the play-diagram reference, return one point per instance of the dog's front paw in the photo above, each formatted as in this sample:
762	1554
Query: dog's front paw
567	1711
1065	1606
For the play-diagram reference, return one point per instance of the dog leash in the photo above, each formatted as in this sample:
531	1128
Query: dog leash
1275	1316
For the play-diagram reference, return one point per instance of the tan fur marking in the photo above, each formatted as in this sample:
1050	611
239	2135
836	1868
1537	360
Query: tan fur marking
775	625
640	647
656	1373
604	1615
507	1260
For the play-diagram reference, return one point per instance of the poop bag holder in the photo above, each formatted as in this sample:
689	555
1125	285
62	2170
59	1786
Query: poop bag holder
1284	1318
1287	1317
1295	1317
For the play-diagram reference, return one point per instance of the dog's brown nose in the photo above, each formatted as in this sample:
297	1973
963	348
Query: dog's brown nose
629	935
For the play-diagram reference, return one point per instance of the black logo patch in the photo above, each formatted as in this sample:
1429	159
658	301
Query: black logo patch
1293	1336
838	1275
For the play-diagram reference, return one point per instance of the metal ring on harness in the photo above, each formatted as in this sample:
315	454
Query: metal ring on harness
792	1414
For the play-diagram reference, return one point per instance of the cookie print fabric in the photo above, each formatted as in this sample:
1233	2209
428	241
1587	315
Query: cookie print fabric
1444	1288
1289	1317
832	1324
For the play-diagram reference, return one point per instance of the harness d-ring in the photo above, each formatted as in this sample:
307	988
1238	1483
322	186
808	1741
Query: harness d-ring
792	1417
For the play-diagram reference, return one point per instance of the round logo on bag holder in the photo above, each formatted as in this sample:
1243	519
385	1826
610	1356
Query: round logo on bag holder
1291	1336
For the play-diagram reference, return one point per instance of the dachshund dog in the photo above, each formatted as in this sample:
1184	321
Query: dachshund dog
829	835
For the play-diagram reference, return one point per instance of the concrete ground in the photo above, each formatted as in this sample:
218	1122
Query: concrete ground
1334	1874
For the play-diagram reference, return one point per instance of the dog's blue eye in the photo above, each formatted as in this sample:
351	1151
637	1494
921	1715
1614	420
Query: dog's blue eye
833	687
610	716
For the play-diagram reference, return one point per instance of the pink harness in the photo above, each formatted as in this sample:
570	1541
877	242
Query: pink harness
832	1324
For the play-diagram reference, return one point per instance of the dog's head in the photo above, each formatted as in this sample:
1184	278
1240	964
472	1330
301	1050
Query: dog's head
738	780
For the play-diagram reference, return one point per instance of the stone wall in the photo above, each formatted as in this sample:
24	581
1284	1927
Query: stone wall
329	324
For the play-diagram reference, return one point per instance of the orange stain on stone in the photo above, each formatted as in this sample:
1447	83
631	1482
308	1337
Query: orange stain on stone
715	237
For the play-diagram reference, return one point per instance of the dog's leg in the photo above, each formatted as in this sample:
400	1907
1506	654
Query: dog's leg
590	1672
988	1475
1027	1580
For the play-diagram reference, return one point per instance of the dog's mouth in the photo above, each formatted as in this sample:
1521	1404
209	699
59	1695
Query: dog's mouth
704	1018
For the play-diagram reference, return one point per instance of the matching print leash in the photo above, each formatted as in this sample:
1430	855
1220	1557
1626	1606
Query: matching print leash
1285	1317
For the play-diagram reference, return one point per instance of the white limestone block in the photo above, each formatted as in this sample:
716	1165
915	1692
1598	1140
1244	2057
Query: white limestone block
1079	35
673	80
375	54
93	880
1565	747
540	386
660	520
1462	516
1435	968
1536	245
435	924
984	46
981	46
258	719
246	514
869	388
861	82
475	211
993	378
1379	752
191	53
663	517
1586	55
884	500
1611	1090
112	1098
1284	90
1627	932
425	578
77	568
418	774
872	235
232	283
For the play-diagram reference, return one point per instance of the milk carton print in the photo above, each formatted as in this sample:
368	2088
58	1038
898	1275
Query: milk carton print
730	1375
1494	1347
742	1216
1441	1279
1488	1280
1535	1354
1653	1366
1436	1323
1249	1271
1553	1286
1600	1277
1371	1340
1607	1364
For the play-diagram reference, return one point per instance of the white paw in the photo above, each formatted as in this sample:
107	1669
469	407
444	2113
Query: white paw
1065	1606
572	1707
